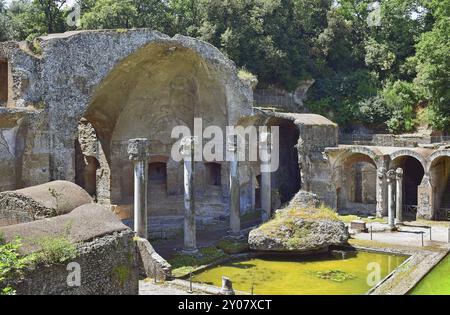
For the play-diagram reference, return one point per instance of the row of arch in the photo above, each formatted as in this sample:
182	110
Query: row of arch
426	180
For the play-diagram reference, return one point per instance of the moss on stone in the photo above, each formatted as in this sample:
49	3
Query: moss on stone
121	273
232	247
183	262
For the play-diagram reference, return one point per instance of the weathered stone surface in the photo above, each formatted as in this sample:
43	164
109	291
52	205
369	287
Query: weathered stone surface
42	201
293	231
106	253
304	199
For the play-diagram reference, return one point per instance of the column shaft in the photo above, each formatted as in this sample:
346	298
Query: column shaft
190	241
399	196
140	199
391	201
235	198
138	152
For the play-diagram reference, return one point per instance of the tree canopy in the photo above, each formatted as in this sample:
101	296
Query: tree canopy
379	63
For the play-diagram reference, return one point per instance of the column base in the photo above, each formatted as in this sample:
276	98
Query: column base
398	222
234	236
189	251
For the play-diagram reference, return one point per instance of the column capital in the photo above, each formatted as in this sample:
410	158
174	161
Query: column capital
390	175
399	173
138	149
381	172
187	145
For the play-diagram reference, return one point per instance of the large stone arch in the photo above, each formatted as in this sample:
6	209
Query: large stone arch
77	65
354	177
439	184
371	155
422	158
416	181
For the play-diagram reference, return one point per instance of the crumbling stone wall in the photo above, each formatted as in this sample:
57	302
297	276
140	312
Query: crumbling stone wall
106	253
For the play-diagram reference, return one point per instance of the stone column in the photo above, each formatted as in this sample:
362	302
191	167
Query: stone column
399	196
266	187
381	186
391	202
190	242
138	152
235	199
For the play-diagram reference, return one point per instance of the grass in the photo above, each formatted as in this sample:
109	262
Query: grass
246	75
289	216
54	250
122	274
251	216
232	247
182	264
351	217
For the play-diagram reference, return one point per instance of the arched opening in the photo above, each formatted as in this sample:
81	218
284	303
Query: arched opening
91	167
213	174
258	192
157	179
287	177
440	177
146	95
413	173
3	80
356	185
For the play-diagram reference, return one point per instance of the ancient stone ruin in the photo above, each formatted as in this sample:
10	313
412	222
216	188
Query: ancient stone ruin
69	109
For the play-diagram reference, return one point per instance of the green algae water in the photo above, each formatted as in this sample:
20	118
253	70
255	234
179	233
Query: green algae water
294	276
436	282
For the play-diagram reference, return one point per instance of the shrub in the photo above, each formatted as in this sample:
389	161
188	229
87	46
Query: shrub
374	110
11	264
54	250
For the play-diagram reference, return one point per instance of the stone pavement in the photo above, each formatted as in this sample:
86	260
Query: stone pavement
410	234
148	287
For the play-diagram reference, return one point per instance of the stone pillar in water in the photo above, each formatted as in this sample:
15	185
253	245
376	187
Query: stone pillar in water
399	196
266	187
391	202
235	196
190	242
138	152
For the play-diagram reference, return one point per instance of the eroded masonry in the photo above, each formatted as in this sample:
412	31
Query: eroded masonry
69	108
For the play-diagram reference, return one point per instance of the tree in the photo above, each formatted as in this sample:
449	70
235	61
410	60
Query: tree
433	64
110	14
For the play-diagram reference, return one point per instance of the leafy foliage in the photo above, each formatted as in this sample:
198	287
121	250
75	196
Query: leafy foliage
359	53
11	264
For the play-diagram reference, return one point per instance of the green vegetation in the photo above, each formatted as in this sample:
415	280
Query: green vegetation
205	256
333	275
436	282
122	274
380	66
232	247
11	264
54	250
184	264
350	217
288	218
301	275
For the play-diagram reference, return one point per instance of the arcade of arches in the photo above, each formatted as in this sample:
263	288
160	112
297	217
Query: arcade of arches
361	188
